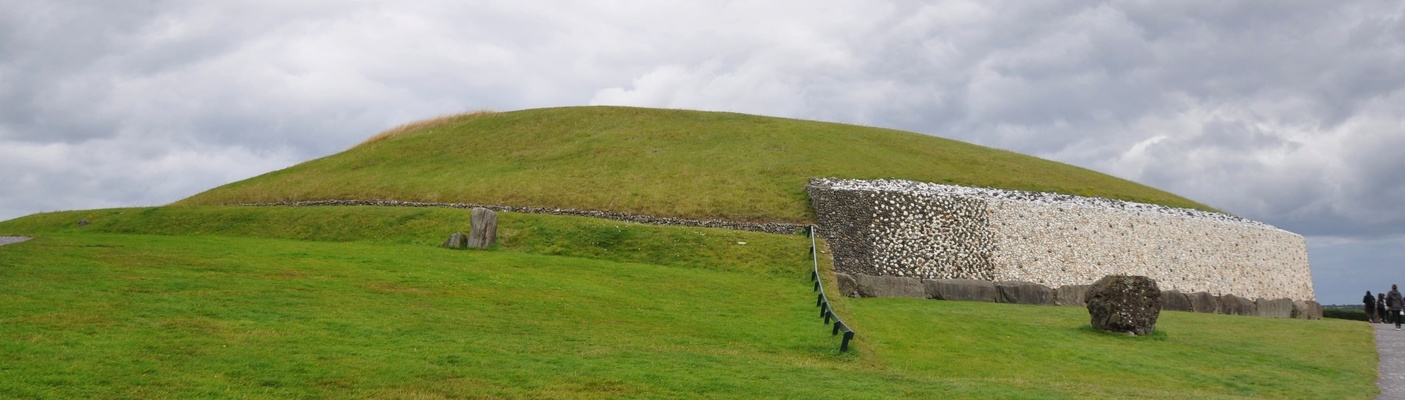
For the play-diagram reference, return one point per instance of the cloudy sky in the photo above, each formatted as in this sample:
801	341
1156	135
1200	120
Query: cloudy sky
1287	112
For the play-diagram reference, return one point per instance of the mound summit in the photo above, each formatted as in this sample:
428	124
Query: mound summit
667	163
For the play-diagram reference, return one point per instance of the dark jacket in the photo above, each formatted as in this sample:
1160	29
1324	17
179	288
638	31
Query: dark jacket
1369	300
1393	300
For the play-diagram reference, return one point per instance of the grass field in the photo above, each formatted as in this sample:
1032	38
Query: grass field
676	163
358	302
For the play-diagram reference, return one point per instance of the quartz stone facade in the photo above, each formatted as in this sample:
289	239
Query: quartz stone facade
932	231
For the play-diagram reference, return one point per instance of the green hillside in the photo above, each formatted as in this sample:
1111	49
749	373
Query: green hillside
207	299
358	302
690	164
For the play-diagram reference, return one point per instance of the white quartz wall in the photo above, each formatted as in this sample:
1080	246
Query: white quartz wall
930	231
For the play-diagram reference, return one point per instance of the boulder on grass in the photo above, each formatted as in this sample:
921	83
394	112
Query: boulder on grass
1235	305
483	231
1204	302
1314	309
1276	308
456	241
1024	293
889	286
1071	295
1124	303
961	290
1174	300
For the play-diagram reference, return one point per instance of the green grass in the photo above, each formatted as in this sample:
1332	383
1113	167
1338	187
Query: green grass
357	302
689	164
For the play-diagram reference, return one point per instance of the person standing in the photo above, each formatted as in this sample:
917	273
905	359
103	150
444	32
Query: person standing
1380	307
1393	302
1370	307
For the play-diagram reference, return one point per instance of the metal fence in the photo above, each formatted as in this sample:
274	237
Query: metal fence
822	301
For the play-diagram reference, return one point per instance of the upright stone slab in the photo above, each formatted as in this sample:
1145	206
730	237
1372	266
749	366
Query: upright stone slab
1306	310
961	290
1204	302
1235	305
1174	300
847	285
1071	295
456	241
1024	293
484	231
889	286
1276	308
1123	303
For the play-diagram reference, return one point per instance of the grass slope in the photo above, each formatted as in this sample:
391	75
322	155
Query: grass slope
356	302
690	164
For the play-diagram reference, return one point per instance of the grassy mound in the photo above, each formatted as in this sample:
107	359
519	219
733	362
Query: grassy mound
356	302
689	164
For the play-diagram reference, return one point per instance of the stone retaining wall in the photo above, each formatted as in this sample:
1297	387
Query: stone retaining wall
767	227
930	231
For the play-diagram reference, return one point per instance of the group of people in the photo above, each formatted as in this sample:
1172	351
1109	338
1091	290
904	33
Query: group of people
1385	308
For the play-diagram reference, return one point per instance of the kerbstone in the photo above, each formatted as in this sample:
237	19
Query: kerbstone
1235	305
1275	308
889	286
1174	300
961	290
1024	293
1204	302
847	285
1071	295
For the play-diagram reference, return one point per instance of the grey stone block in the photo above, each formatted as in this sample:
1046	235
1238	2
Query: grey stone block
961	290
1024	293
889	286
1235	305
1204	302
1174	300
1071	295
1306	310
847	285
1276	308
456	241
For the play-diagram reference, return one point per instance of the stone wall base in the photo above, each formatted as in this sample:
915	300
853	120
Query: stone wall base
862	285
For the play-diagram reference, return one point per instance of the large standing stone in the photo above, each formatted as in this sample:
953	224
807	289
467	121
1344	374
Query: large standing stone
1174	300
1071	295
1204	302
1235	305
1123	303
456	241
1024	293
889	286
1314	309
1276	308
961	290
484	230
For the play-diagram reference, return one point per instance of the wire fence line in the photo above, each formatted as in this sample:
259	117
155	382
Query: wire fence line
822	301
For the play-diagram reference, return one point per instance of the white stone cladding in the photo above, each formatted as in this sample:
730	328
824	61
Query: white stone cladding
932	231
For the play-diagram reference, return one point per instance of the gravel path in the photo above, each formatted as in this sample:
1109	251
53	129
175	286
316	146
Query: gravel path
1390	344
4	240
